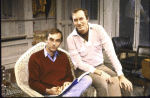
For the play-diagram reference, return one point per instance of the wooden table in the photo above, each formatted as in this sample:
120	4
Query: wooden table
146	73
12	90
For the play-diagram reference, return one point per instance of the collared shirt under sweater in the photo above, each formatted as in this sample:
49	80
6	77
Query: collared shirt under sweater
44	73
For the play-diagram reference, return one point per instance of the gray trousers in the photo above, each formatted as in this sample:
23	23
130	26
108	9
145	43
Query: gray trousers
103	88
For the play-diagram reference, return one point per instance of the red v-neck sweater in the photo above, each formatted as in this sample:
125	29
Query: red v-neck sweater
44	73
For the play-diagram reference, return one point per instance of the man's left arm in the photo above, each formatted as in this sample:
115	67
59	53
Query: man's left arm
109	49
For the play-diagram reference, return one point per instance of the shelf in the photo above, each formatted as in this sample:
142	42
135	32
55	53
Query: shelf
13	37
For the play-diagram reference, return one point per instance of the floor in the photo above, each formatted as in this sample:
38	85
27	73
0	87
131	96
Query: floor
137	89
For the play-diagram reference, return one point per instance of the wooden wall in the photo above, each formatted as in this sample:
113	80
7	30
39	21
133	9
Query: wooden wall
17	29
40	24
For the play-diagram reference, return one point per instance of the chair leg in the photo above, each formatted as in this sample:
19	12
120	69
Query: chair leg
131	76
145	86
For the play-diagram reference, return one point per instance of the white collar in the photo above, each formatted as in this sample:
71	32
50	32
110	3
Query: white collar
89	38
45	52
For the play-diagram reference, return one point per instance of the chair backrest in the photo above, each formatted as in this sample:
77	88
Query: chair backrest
143	50
21	68
122	43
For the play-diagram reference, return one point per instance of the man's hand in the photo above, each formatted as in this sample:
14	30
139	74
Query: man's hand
57	90
126	82
54	90
104	74
66	84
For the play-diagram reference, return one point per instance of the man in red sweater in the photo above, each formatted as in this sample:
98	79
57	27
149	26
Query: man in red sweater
50	70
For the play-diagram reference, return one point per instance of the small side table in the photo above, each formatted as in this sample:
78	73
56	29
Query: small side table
13	90
146	73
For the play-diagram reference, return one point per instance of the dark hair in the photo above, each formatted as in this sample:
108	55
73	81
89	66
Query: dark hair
78	9
54	31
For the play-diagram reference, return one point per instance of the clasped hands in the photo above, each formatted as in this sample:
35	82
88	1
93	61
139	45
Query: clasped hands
122	79
57	90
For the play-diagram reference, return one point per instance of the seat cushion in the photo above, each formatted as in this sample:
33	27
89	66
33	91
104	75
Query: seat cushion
128	63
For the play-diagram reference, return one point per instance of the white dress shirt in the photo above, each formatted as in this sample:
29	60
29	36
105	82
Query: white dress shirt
86	55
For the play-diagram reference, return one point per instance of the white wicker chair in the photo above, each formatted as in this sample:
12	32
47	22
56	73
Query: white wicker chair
21	69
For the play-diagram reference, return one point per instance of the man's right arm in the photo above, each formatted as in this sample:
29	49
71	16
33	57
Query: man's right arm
54	91
34	81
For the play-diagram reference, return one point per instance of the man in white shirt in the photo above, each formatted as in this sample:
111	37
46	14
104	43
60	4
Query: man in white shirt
85	47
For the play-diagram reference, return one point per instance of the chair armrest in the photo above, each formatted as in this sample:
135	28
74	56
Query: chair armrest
142	46
124	50
127	51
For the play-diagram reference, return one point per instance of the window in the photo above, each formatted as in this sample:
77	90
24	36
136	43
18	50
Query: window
91	6
39	8
6	9
127	24
144	23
